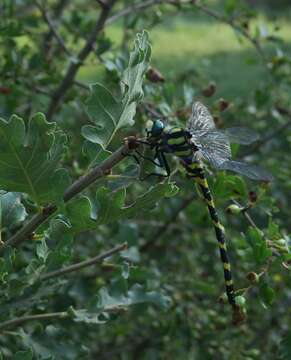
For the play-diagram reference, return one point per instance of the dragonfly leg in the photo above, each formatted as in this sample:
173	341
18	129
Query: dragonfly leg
163	163
133	156
148	158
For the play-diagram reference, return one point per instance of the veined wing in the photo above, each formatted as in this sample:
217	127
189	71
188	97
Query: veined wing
213	146
241	135
200	118
251	171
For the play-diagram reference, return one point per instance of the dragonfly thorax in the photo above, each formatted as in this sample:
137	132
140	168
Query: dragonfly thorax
177	141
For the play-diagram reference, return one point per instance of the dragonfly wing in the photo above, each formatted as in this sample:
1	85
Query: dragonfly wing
241	135
200	118
213	146
251	171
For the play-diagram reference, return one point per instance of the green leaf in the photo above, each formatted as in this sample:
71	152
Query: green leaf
105	111
44	351
6	264
111	206
229	186
230	6
84	316
125	271
94	153
259	246
110	114
267	294
23	355
131	254
29	158
107	303
60	235
273	230
42	250
133	76
285	347
12	212
136	295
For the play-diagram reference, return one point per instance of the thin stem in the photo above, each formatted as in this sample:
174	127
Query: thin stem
133	9
83	264
81	85
57	13
23	319
53	30
79	185
69	77
246	215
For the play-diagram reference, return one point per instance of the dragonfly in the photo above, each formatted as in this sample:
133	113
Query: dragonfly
201	141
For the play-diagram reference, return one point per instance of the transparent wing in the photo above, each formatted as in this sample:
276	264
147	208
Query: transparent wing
241	135
213	146
251	171
200	118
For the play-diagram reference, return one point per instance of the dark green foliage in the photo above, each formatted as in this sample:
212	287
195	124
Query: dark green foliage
30	158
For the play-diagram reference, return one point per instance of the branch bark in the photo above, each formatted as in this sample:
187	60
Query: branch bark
79	185
57	13
53	31
23	319
83	264
133	9
69	77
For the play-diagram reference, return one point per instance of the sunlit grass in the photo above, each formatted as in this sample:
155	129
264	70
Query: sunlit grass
210	47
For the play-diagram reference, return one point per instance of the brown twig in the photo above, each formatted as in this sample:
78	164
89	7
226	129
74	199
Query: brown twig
246	214
81	85
23	319
134	8
69	77
83	264
57	13
79	185
53	31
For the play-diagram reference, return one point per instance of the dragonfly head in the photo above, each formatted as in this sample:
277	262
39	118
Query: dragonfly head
155	129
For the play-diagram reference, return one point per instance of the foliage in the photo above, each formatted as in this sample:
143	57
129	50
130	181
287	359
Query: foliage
71	279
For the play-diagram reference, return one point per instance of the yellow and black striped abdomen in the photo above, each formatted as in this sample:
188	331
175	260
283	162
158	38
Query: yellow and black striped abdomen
195	171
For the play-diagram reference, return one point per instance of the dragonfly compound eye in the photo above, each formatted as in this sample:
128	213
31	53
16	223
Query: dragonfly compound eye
157	128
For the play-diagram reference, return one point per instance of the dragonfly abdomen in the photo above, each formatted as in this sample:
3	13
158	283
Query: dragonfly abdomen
196	171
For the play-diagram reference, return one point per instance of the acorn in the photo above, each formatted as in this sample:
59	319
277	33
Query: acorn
209	90
253	277
223	104
253	196
154	76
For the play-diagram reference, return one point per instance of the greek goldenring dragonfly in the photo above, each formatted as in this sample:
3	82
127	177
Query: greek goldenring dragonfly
201	140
